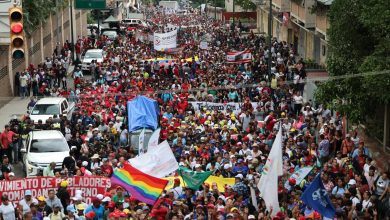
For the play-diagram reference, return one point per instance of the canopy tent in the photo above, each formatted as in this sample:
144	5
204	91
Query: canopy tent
142	113
111	19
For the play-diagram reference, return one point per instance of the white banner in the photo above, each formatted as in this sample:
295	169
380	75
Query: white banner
153	141
164	41
210	106
159	162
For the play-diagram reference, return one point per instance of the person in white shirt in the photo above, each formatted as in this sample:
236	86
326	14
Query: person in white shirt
24	204
7	208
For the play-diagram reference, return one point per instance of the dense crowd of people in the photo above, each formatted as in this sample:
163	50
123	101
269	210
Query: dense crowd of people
230	144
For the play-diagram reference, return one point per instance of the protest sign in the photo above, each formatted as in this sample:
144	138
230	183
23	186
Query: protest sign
40	186
164	41
212	106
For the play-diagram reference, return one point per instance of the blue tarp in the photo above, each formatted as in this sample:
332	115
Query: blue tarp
143	113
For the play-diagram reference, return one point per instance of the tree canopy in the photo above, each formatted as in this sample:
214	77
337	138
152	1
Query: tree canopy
359	43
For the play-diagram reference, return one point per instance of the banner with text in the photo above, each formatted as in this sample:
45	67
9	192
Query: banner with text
212	106
164	41
239	57
40	186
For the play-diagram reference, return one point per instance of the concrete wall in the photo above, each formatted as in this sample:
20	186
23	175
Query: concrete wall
39	45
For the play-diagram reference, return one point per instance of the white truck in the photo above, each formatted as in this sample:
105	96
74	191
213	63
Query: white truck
169	4
48	107
42	148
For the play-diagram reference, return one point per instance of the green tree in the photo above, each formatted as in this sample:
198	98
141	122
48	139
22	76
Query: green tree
37	11
359	39
246	5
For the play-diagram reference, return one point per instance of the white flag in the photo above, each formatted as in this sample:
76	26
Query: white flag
153	141
159	162
273	168
141	140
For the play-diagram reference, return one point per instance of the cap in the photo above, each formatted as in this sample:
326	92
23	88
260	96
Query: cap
233	209
41	198
28	193
352	182
84	163
199	206
11	174
177	180
90	214
251	217
64	184
100	197
106	199
239	176
145	207
111	204
240	160
210	206
222	198
81	206
71	209
197	165
226	166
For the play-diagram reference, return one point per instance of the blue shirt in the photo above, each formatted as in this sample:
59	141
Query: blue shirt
98	211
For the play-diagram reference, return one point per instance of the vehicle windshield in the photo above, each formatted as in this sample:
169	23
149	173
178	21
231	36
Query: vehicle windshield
49	145
93	55
109	33
46	109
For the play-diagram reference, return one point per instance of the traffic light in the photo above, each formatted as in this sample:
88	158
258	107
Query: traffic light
16	32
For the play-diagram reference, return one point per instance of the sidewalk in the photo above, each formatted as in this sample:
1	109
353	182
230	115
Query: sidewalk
16	107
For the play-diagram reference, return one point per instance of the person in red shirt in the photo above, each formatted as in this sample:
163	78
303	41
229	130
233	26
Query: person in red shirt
6	139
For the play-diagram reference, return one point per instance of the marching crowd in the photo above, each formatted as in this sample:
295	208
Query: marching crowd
232	144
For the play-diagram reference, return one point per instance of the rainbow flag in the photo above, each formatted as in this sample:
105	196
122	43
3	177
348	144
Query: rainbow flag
140	185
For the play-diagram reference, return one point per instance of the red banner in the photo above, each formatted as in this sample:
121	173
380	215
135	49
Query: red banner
40	186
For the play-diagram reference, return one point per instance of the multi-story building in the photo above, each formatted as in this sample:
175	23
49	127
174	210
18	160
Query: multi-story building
301	22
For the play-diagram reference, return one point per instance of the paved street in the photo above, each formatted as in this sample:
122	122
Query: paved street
17	107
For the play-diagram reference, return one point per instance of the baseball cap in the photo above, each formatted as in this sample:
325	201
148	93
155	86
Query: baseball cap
352	182
41	198
28	193
239	176
251	217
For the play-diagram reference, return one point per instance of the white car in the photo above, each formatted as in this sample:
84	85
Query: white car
92	54
42	148
112	35
48	107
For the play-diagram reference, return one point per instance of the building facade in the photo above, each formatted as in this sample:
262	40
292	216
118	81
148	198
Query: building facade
302	23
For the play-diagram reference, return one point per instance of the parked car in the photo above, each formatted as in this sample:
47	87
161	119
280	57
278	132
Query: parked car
92	54
48	107
42	148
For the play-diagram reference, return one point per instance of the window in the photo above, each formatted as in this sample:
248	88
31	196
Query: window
323	50
46	109
49	145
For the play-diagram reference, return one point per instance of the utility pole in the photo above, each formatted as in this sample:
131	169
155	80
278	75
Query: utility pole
215	9
269	40
71	30
57	29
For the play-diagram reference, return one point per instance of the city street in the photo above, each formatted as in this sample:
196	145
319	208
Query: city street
219	110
